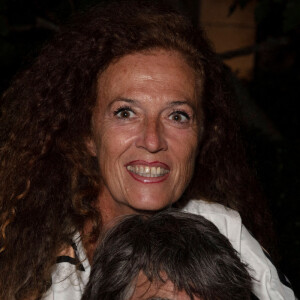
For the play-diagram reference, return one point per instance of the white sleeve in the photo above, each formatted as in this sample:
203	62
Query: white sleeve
66	283
266	282
70	275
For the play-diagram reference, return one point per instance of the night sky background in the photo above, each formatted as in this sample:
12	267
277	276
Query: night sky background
25	26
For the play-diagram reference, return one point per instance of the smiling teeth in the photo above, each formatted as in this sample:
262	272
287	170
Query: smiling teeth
147	171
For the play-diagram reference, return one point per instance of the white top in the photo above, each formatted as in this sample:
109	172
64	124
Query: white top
68	282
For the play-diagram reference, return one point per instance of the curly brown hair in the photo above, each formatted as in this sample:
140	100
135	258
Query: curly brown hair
48	180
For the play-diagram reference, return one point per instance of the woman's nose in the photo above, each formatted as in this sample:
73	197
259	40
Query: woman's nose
152	137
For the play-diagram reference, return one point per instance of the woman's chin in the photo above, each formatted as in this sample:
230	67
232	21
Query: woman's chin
150	204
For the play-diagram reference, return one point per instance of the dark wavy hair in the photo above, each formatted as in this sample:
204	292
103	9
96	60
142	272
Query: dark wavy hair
186	249
48	180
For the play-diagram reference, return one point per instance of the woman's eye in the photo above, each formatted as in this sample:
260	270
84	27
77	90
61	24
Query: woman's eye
179	116
124	113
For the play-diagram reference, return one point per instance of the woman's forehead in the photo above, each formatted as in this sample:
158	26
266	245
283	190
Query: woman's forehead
151	74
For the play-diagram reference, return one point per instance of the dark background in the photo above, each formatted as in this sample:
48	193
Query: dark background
274	89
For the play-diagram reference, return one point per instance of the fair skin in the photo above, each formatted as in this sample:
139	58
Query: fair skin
144	132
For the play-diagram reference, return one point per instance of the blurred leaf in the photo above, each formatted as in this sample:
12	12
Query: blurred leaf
4	29
291	16
232	8
7	53
262	10
3	5
235	4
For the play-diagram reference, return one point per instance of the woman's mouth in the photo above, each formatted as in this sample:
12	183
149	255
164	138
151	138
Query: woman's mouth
145	172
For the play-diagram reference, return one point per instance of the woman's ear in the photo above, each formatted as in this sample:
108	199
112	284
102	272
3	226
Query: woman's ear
91	146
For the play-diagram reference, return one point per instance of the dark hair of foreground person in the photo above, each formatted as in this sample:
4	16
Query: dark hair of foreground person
184	249
48	180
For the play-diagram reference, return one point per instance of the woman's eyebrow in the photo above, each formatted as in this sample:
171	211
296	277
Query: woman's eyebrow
181	102
171	104
158	298
120	99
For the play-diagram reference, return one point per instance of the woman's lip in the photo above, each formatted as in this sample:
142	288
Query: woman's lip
146	163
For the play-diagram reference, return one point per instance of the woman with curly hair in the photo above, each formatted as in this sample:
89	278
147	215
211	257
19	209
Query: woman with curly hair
127	110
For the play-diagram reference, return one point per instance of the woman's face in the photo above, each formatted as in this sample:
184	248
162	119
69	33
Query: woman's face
144	130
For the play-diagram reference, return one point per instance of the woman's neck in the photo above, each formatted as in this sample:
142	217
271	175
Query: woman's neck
110	211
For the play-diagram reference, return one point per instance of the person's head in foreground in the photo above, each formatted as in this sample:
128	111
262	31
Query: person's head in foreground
168	256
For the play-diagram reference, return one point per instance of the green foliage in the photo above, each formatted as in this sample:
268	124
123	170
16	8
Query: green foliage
263	10
275	89
4	30
287	13
291	15
21	36
235	4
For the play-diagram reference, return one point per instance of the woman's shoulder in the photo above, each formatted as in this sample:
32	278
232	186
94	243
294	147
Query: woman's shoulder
70	274
201	207
268	283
